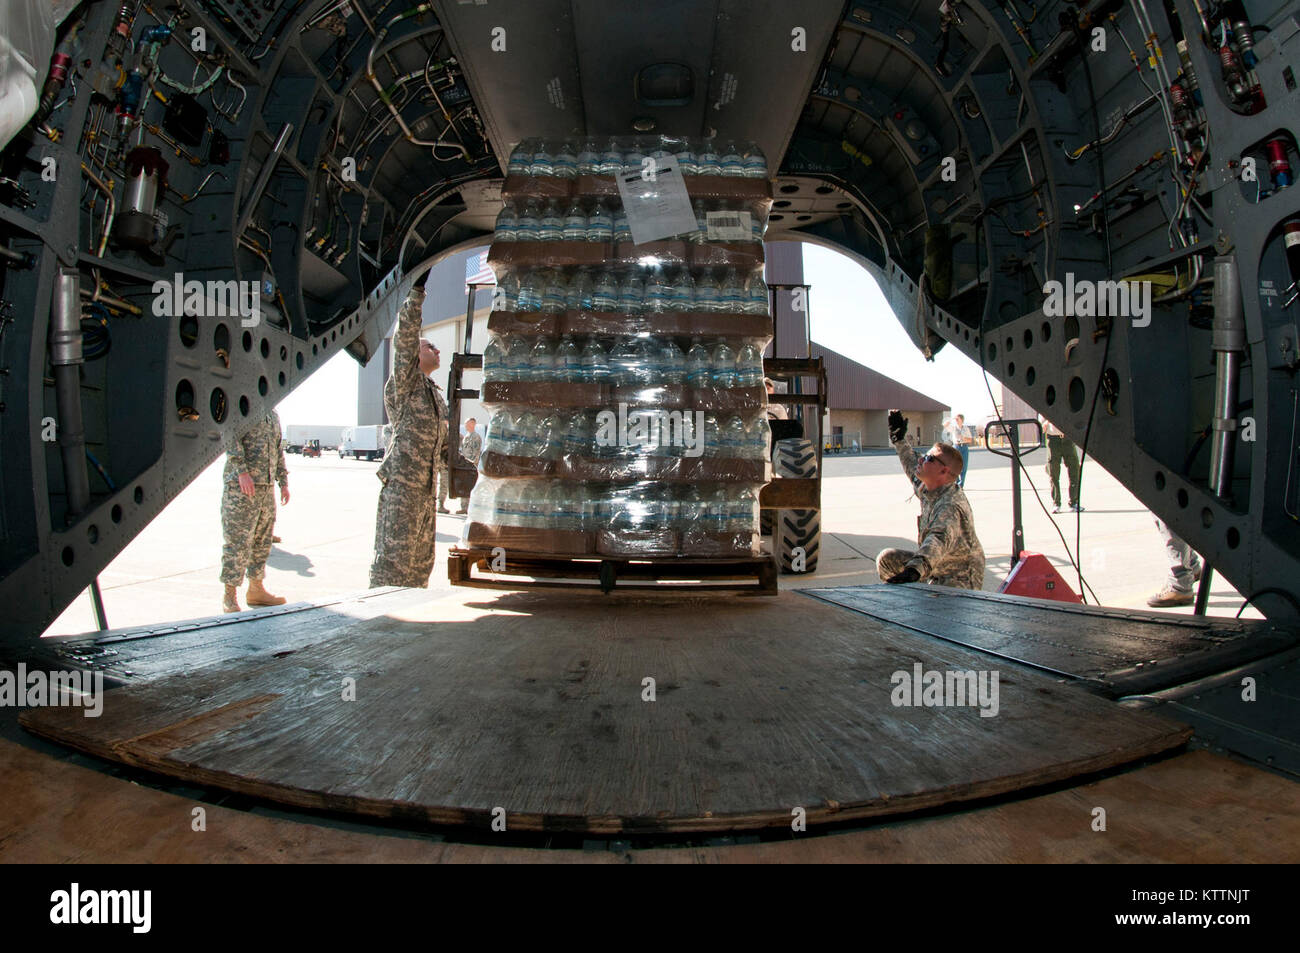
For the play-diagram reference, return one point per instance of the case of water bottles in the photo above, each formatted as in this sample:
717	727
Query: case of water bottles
623	382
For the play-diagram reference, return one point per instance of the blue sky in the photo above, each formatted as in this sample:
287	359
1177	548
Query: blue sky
849	315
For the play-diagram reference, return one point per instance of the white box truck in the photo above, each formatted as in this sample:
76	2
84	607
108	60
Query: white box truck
364	443
297	436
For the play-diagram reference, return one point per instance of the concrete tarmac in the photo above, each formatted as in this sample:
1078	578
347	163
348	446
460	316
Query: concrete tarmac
169	572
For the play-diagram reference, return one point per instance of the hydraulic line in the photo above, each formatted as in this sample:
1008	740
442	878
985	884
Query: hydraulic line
434	144
112	208
1076	154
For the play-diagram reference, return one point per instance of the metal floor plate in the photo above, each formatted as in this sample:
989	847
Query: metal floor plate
1115	652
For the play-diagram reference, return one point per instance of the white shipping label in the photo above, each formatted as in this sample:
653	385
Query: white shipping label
655	200
729	226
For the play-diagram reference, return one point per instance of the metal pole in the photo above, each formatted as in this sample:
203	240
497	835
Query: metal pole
268	166
66	360
1229	344
97	601
1017	529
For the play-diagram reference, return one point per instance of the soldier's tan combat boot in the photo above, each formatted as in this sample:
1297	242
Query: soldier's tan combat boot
230	601
257	596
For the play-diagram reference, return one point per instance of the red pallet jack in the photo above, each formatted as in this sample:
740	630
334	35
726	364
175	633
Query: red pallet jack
1032	574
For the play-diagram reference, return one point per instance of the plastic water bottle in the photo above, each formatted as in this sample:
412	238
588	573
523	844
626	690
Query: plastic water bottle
527	434
622	230
575	223
521	159
505	296
759	437
681	291
622	362
568	514
732	163
527	222
530	292
756	224
543	163
708	159
733	437
701	233
633	157
672	362
517	366
581	503
686	160
730	293
507	503
503	433
690	509
600	226
742	519
697	364
494	441
755	162
568	360
707	294
550	227
604	295
565	161
656	295
589	158
554	291
595	363
494	359
541	361
722	366
611	160
643	364
578	295
756	296
749	365
712	436
577	435
631	294
716	505
507	228
551	436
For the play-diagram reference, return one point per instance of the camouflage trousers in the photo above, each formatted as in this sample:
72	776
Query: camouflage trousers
404	534
247	523
444	484
891	562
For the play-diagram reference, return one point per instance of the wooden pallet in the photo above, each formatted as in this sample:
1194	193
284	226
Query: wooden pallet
755	574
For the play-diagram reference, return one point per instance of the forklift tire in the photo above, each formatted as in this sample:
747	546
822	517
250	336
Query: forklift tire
801	530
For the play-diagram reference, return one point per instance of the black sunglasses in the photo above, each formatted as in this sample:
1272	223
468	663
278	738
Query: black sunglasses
931	458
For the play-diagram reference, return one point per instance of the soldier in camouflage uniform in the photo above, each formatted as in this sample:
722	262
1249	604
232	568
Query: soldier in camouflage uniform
405	520
254	462
950	554
471	447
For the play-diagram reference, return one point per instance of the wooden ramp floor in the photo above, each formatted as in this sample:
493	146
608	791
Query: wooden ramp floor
526	704
1115	652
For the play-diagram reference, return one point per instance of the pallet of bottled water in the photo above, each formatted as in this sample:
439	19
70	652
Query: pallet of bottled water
624	382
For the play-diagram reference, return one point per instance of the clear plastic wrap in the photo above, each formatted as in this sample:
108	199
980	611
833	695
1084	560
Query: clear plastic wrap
623	382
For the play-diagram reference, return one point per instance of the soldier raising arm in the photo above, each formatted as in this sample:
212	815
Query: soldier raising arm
949	553
404	521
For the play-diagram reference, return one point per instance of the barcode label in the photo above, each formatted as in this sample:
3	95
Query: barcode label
729	226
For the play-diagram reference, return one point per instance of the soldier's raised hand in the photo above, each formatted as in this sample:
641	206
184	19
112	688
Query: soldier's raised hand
897	425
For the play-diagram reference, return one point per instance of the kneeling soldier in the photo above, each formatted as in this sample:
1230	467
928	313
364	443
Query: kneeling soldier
950	554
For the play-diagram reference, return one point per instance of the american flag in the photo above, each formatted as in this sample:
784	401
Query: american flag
477	271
